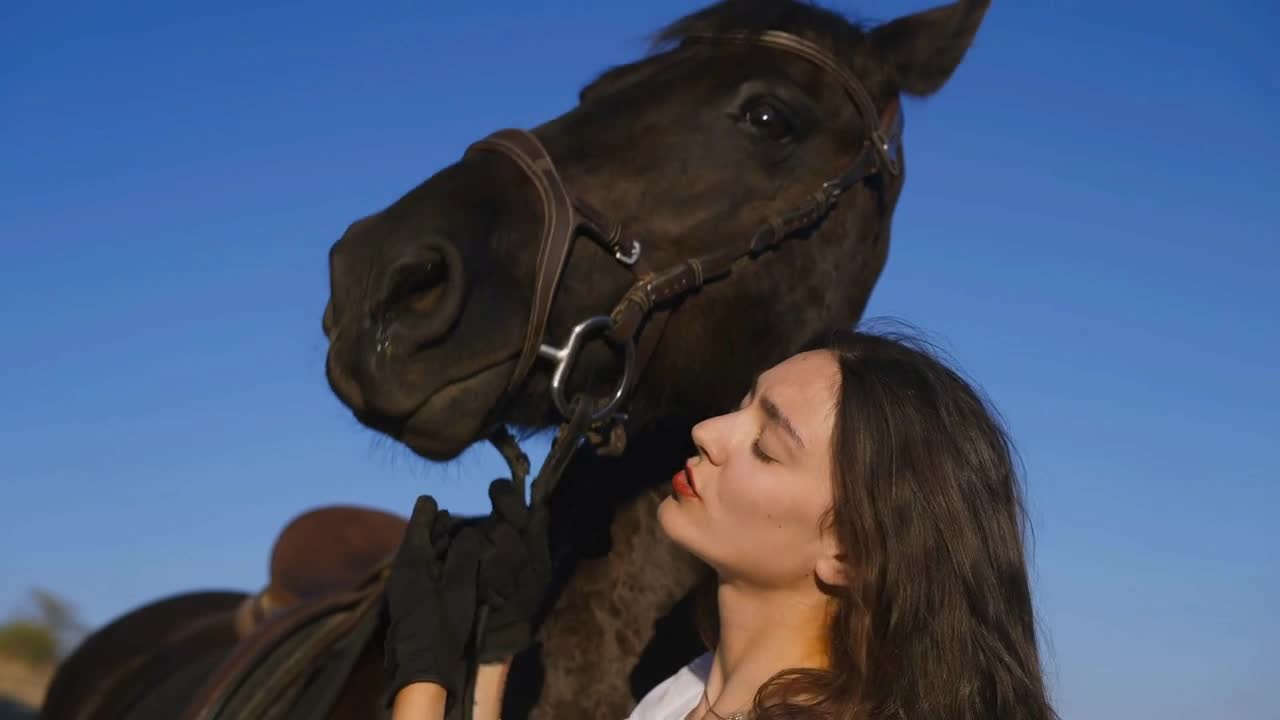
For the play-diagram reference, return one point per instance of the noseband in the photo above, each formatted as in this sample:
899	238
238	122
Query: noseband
566	217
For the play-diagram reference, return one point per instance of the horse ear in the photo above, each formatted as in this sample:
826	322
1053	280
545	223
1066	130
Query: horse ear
921	51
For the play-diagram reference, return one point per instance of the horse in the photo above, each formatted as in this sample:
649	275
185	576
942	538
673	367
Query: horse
755	125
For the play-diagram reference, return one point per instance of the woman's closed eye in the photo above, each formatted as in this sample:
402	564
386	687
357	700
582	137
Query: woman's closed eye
758	451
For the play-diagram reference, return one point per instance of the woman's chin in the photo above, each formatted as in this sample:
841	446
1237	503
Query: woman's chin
668	507
677	525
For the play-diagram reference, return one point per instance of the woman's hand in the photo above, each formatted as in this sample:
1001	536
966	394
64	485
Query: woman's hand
515	572
431	600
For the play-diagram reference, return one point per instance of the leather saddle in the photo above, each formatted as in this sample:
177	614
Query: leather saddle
320	553
302	635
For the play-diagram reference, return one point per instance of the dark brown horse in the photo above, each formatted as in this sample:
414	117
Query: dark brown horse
687	150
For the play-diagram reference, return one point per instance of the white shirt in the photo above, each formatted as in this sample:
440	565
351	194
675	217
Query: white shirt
677	695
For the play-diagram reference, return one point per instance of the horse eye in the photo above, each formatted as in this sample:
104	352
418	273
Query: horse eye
764	118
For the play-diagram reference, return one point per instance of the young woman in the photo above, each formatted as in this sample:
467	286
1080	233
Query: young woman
863	515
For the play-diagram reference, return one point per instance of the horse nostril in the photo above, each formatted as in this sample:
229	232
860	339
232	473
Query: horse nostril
416	287
422	295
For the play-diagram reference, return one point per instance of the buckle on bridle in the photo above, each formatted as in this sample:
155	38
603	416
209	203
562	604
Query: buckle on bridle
889	148
630	258
832	189
565	357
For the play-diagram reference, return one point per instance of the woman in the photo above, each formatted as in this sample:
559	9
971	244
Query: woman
863	515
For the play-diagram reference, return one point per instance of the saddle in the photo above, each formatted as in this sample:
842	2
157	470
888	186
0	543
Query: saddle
320	553
302	635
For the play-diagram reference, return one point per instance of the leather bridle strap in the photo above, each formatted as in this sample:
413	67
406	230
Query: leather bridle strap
823	59
562	220
879	152
693	273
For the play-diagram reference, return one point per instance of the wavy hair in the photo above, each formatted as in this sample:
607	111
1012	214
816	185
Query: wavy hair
937	621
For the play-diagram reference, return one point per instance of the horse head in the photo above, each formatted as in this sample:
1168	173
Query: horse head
685	151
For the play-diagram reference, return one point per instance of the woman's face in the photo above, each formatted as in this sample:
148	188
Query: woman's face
752	502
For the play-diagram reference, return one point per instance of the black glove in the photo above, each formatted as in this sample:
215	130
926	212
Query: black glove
515	572
431	601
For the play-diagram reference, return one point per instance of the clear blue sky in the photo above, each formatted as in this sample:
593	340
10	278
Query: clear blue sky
1085	227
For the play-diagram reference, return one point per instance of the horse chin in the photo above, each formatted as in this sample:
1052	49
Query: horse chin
456	416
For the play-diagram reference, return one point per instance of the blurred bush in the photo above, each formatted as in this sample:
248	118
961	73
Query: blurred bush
43	634
30	642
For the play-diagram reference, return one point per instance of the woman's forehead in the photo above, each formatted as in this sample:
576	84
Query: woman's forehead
804	388
812	371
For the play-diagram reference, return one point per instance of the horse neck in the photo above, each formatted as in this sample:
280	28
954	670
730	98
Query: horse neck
595	489
624	589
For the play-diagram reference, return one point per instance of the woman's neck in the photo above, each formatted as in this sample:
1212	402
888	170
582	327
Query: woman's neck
763	632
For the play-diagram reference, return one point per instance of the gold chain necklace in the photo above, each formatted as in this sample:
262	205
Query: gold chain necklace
736	715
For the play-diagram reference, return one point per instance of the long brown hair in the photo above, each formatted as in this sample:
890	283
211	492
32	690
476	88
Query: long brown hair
937	621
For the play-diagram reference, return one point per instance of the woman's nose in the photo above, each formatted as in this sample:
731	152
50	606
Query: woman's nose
706	438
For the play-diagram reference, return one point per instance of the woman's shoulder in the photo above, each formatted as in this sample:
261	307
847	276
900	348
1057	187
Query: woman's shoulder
677	695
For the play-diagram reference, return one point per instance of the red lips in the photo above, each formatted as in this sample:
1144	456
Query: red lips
682	483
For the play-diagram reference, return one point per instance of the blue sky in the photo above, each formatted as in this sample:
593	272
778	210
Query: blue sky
1084	227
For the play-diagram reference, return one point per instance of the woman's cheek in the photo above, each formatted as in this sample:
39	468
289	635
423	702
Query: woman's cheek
757	498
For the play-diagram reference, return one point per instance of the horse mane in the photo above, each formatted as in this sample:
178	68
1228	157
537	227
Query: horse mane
837	33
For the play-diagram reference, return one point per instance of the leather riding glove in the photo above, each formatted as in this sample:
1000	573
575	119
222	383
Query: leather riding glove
431	601
515	572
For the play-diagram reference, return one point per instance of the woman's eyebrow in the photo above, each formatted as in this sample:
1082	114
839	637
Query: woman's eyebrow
774	415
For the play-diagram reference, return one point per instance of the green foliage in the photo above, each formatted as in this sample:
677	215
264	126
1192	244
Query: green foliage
44	635
29	642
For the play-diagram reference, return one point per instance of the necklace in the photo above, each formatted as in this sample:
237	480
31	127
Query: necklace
736	715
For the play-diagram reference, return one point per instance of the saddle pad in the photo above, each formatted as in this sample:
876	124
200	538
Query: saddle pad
270	674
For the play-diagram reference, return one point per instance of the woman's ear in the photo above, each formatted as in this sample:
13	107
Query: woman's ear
832	567
922	50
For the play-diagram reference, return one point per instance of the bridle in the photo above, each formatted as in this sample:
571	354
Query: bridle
566	217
